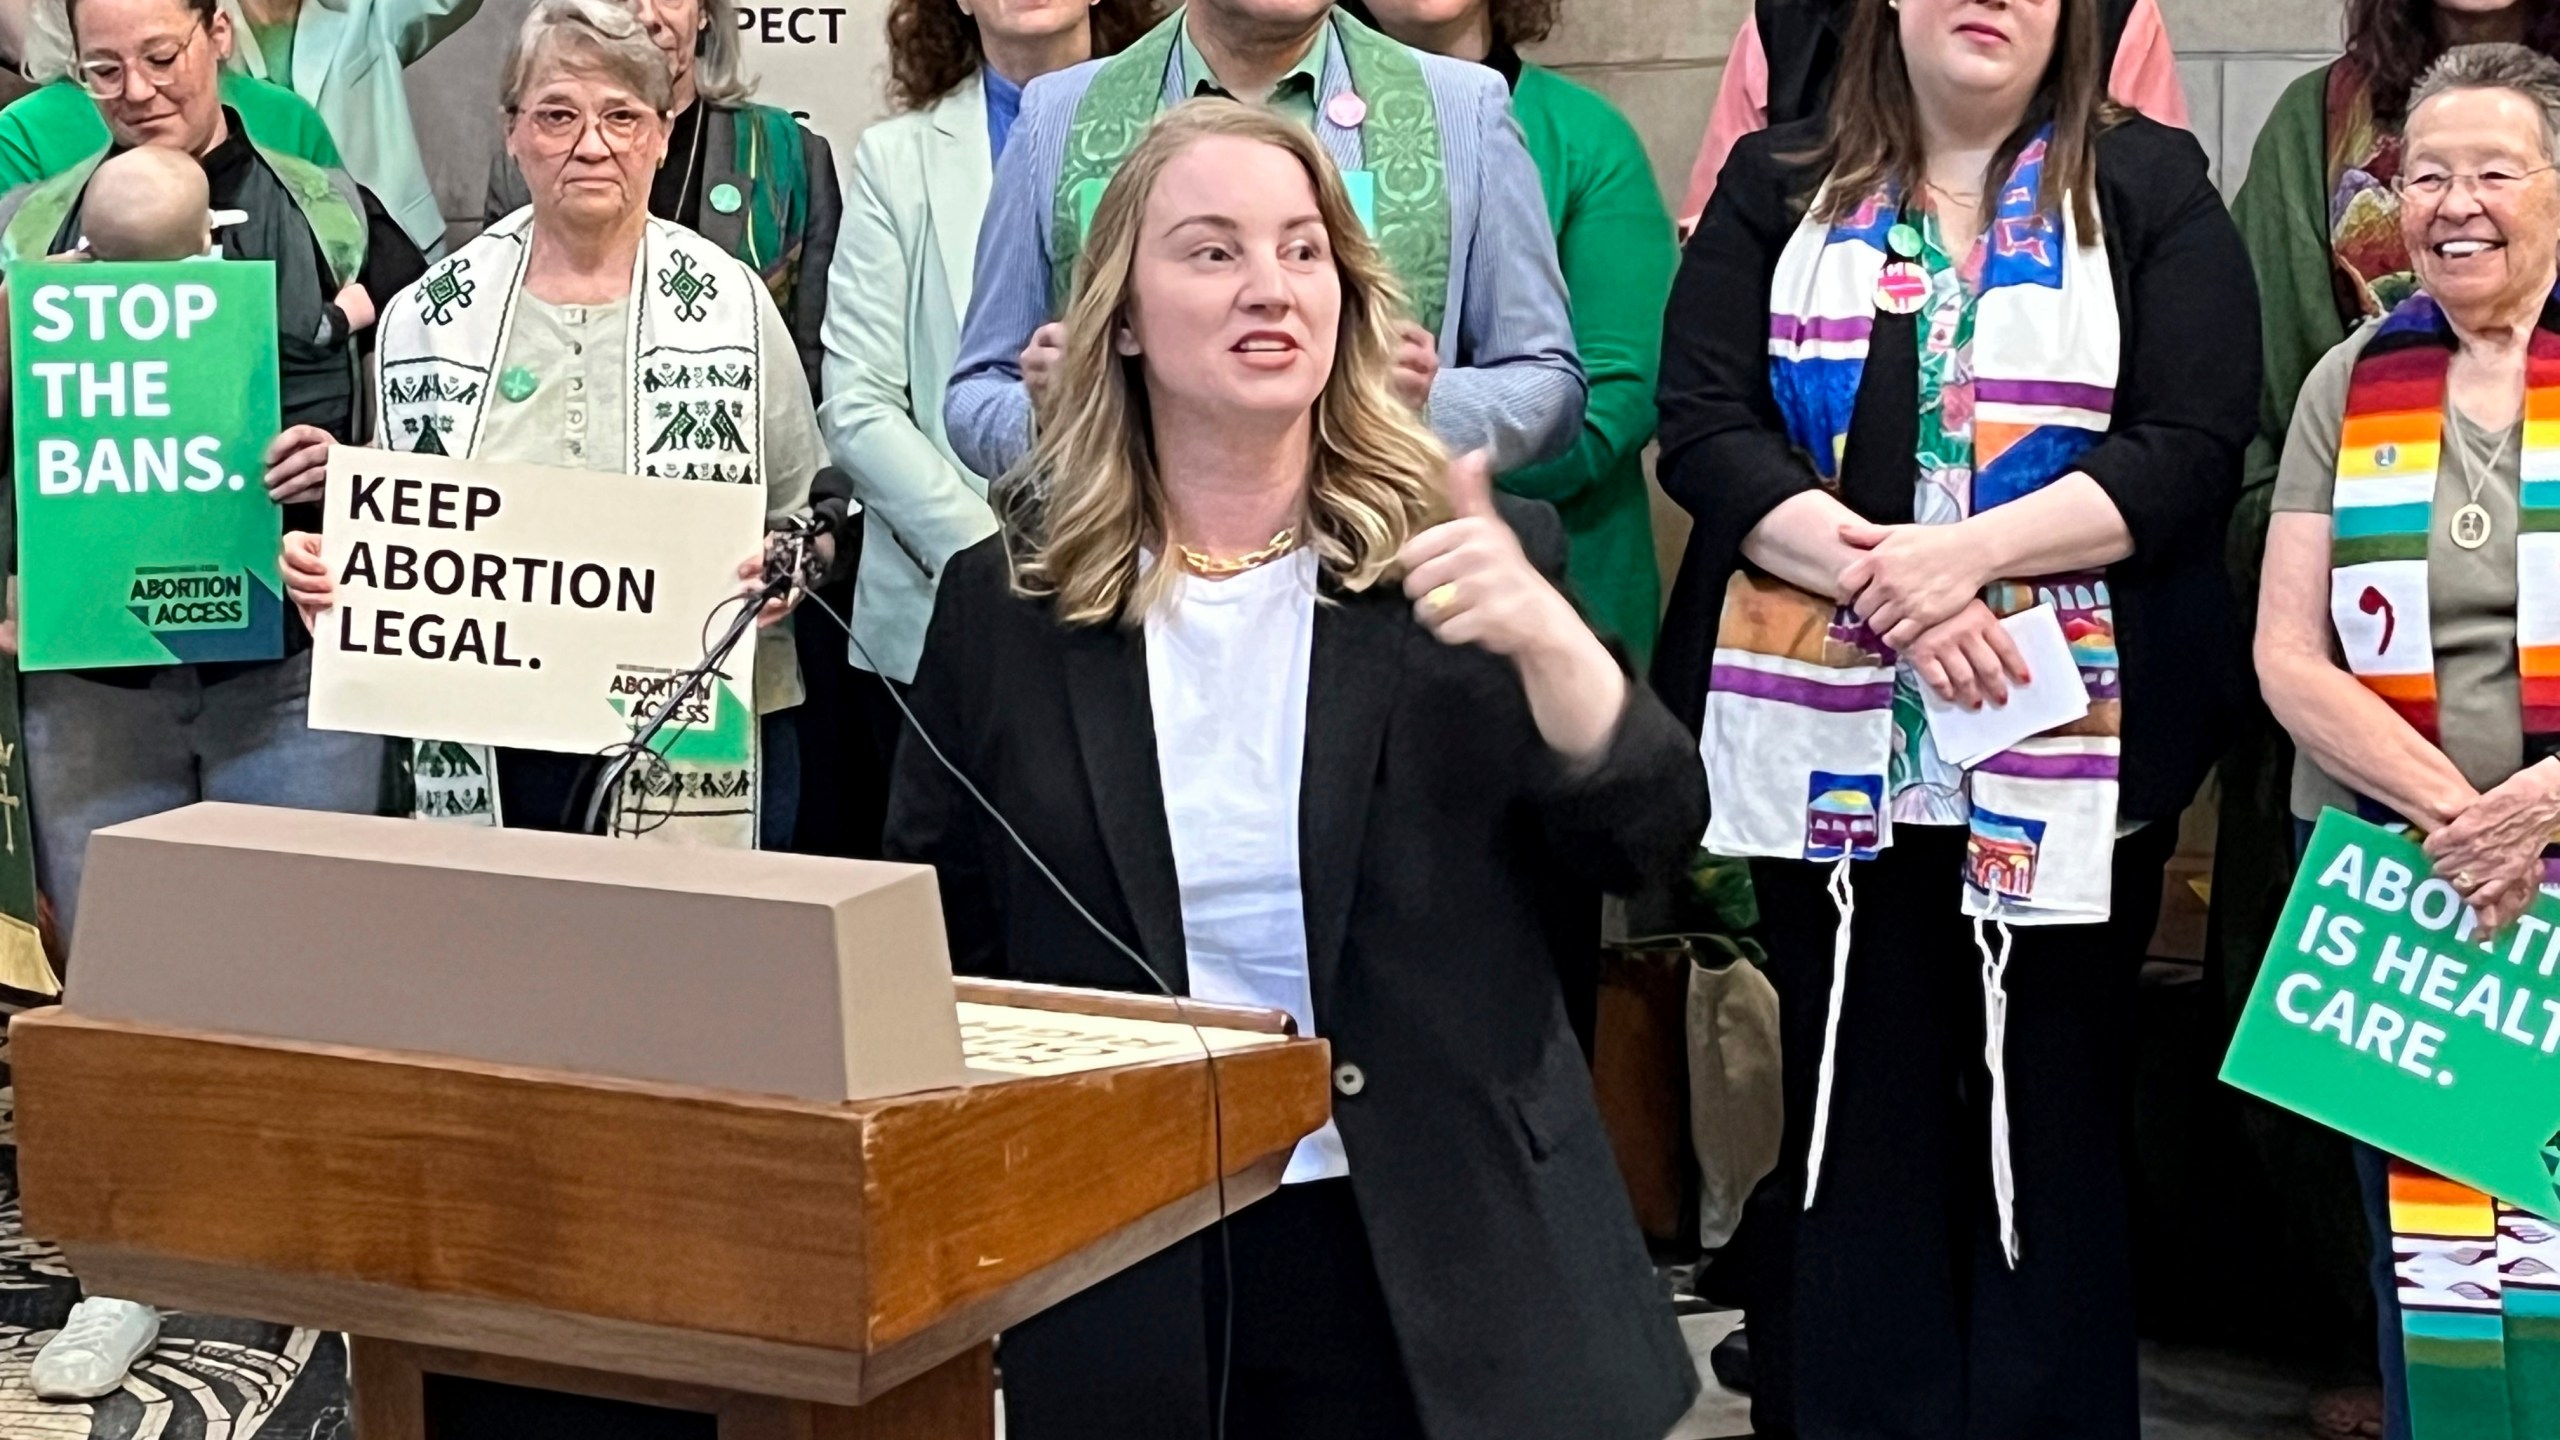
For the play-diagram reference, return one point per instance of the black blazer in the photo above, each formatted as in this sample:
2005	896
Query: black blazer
1449	862
2185	406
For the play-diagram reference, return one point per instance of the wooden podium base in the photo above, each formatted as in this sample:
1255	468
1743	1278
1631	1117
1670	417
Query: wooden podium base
419	1392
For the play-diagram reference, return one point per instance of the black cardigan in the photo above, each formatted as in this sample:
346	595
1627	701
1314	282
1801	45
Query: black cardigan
1451	863
2185	406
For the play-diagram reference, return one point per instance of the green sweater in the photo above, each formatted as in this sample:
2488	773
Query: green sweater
57	127
1614	238
2283	214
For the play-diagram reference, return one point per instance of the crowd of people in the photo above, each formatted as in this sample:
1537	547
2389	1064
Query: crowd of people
1225	430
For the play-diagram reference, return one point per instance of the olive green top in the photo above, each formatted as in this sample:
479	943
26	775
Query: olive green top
2471	594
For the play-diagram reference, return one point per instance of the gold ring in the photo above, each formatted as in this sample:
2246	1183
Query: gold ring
2462	879
1442	597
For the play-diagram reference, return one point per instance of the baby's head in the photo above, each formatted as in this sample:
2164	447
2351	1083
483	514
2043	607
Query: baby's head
148	203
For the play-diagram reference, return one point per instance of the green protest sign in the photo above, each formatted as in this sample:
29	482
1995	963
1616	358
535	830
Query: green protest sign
144	397
2382	1013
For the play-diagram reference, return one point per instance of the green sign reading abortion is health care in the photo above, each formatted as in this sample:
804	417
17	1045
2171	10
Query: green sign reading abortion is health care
2382	1012
144	398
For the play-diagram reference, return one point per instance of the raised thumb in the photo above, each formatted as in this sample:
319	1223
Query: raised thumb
1471	485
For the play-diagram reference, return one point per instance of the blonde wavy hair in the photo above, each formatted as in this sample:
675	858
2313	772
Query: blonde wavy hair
1083	503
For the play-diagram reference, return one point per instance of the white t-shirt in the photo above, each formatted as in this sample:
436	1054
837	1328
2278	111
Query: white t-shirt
1227	681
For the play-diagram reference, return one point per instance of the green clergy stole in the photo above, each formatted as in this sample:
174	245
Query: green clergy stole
336	224
1399	139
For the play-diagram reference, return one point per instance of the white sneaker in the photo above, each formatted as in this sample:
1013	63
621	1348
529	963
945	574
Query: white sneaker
89	1356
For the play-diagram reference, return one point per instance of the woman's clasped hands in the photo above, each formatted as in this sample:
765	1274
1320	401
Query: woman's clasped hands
1919	587
2491	851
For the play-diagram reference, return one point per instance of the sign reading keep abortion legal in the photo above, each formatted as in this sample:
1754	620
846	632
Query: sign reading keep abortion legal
2384	1013
143	398
527	606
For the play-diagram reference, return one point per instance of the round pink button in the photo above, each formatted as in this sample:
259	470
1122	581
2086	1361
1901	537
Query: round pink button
1346	110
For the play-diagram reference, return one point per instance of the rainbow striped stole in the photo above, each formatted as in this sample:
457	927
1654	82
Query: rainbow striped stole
2383	510
2479	1288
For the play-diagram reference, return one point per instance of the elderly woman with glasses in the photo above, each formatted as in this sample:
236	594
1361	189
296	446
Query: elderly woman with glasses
2410	593
601	360
750	178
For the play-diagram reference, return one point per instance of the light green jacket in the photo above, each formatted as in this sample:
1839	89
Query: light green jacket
347	59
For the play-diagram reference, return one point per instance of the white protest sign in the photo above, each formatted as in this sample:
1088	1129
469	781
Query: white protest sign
527	606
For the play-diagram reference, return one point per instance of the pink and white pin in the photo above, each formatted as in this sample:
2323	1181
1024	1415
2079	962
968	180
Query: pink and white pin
1346	110
1902	289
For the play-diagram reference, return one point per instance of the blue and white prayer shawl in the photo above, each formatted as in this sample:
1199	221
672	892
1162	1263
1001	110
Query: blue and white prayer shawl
1799	734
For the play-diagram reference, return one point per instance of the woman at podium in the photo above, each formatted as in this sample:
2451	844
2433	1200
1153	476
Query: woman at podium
1293	706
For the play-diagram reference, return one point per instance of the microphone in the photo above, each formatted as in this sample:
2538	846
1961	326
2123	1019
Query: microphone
791	566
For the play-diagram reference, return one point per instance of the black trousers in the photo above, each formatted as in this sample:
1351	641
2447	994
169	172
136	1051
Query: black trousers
1135	1358
1888	1310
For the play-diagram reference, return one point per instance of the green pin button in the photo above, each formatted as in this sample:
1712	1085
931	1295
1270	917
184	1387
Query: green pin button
726	199
1904	240
517	383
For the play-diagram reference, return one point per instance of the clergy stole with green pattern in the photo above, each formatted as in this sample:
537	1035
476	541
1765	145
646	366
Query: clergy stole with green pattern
1399	128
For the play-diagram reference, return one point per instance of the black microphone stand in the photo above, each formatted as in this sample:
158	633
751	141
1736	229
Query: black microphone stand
780	580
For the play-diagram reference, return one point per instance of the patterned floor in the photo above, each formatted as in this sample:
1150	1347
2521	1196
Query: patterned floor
209	1379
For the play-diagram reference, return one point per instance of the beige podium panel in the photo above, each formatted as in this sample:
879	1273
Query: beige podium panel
734	970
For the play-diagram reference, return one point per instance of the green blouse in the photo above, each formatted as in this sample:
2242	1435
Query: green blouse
54	128
1614	238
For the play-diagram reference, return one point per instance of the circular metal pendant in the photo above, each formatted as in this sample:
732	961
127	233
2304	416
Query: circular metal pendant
2470	527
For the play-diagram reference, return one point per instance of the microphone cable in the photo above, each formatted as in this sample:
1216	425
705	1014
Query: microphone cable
792	571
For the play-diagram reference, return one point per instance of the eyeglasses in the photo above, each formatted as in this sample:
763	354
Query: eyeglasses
2432	186
561	127
105	78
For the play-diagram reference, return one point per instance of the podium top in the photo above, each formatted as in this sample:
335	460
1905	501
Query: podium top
534	854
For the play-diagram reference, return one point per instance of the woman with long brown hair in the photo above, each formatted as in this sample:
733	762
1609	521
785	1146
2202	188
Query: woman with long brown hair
1282	704
1967	364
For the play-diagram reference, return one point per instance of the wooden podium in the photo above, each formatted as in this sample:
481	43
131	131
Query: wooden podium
745	1266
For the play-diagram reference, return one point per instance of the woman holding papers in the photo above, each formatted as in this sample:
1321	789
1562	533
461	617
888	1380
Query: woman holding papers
2408	556
1976	345
1287	741
584	333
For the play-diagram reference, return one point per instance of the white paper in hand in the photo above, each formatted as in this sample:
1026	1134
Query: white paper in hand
2055	696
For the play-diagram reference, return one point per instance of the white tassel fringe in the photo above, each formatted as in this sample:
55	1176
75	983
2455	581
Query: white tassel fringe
1845	900
1995	1046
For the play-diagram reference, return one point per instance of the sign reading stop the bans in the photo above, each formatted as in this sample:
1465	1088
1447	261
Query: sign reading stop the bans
528	606
144	397
2382	1012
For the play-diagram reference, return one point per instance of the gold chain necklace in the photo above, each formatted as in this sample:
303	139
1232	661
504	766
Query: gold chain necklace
1204	564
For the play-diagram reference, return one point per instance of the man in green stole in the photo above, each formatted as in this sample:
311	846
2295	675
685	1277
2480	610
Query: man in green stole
1433	159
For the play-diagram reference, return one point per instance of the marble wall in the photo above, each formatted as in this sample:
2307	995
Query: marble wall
1660	60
